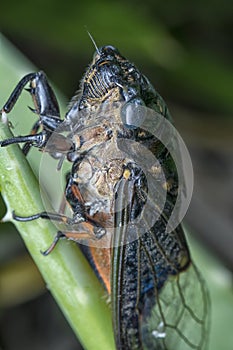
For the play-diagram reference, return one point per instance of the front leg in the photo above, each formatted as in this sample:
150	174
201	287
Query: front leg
45	106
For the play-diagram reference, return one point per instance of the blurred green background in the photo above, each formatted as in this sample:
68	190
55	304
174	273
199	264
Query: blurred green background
185	49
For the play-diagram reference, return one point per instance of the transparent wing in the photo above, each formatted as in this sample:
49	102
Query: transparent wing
159	299
179	318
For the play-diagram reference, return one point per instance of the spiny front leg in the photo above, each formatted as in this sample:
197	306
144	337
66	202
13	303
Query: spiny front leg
45	106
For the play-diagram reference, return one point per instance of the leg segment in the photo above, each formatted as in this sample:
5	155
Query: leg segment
17	92
37	140
92	229
89	223
46	107
71	235
47	216
44	99
54	243
34	130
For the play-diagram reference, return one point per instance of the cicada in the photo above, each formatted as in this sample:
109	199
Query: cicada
121	190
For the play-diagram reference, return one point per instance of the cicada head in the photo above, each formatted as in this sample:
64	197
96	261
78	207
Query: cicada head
109	77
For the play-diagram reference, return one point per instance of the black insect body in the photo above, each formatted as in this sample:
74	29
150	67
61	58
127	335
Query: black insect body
116	196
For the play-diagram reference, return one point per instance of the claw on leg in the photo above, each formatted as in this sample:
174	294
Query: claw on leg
58	236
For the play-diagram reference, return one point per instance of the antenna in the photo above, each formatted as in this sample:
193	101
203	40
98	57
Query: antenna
93	41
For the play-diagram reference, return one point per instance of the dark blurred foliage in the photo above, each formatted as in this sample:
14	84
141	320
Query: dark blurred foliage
36	324
185	48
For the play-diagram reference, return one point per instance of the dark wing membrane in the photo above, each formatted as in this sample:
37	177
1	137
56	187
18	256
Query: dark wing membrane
159	300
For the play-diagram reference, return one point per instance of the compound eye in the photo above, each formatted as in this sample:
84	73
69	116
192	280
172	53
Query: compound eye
108	50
